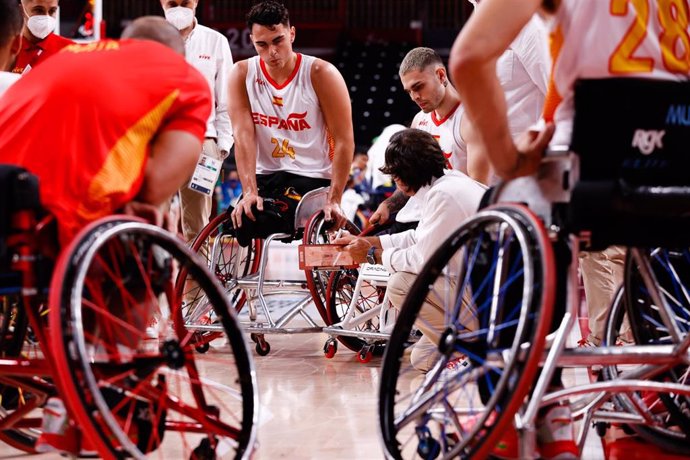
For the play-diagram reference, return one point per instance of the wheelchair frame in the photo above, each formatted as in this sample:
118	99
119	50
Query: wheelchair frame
375	277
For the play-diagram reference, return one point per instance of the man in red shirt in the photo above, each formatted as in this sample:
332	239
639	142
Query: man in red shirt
106	123
39	40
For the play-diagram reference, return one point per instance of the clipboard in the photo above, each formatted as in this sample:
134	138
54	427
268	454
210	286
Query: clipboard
325	257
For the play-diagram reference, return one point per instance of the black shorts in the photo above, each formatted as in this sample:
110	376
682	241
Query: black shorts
268	184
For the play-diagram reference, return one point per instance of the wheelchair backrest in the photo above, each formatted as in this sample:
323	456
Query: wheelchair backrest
312	201
633	140
18	191
633	130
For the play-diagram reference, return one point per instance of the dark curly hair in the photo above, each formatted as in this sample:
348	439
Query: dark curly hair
414	157
268	14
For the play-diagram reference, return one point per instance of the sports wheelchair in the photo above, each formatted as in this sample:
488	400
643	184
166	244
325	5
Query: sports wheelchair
99	328
360	316
512	267
242	273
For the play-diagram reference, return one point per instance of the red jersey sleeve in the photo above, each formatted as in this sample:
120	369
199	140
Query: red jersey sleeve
192	107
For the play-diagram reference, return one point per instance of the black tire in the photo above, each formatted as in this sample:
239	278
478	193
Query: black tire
670	413
414	407
114	363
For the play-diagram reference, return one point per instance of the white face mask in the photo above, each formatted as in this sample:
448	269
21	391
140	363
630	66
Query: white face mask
180	17
41	25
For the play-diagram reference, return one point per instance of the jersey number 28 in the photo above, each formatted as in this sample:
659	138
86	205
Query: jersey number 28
673	39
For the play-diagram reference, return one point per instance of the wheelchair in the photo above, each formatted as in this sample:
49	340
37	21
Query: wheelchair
97	326
242	272
512	268
359	312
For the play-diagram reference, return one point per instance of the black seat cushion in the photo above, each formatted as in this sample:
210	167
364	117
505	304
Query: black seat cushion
278	216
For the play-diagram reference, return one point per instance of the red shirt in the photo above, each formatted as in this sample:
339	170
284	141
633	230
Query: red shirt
32	55
82	122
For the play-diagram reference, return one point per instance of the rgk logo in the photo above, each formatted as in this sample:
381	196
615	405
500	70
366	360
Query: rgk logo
646	141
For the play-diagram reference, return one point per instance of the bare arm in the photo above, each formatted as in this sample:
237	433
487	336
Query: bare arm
334	100
243	127
473	58
478	166
393	203
245	142
173	157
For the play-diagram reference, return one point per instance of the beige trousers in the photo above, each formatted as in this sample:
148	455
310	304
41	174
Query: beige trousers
602	275
195	207
432	319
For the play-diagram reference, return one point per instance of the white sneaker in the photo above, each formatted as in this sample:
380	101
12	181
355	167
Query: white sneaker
556	434
56	435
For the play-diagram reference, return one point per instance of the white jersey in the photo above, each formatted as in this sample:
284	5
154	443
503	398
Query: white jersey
447	132
291	133
615	38
523	71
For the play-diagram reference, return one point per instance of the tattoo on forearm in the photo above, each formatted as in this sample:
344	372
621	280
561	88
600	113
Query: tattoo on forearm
397	201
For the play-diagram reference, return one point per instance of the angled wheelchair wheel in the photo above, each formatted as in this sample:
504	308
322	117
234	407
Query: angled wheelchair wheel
666	413
315	232
228	261
494	280
340	291
126	360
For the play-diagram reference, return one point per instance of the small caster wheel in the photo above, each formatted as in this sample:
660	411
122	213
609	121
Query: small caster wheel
601	428
203	348
201	344
330	348
428	447
263	348
364	355
203	451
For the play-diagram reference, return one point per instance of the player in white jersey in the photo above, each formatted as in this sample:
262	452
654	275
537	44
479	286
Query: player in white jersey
425	79
621	39
647	39
291	116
